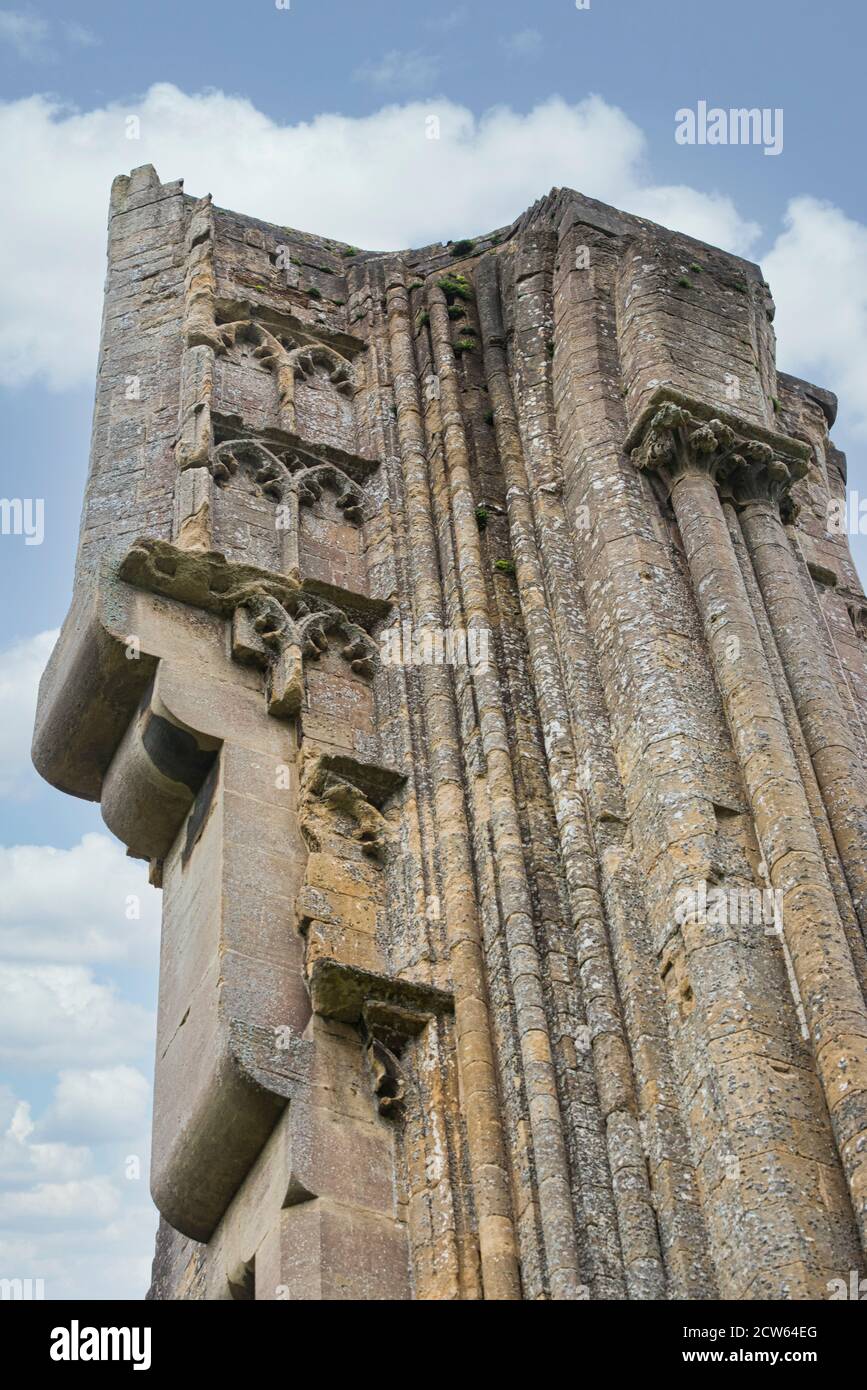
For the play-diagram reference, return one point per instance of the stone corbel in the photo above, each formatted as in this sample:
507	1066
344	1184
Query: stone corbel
387	1011
335	785
387	1077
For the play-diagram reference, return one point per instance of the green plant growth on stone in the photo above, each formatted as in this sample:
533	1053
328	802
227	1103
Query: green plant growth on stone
455	287
314	293
505	566
695	268
422	319
465	345
349	251
482	515
463	247
684	283
456	311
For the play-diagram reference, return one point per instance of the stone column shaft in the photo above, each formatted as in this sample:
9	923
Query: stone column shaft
836	759
488	1163
822	962
554	1186
613	1068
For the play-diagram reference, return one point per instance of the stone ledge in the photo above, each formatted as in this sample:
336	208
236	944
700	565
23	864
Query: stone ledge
345	993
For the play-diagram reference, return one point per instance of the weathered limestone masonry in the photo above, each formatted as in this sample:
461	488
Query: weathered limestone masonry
463	991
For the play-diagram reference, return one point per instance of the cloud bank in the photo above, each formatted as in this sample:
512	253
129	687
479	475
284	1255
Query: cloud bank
316	175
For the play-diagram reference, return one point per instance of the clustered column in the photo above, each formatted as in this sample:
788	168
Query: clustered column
826	728
694	457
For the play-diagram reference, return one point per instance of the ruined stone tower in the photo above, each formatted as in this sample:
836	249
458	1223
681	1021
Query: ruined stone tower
463	638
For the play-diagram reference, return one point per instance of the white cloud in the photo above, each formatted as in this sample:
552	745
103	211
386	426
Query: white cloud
397	71
54	1015
527	43
817	271
26	33
82	1201
316	175
78	1218
91	1259
25	1161
107	1103
78	904
31	36
21	666
481	173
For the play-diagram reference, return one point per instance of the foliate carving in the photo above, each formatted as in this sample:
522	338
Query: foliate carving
350	496
745	468
303	361
286	624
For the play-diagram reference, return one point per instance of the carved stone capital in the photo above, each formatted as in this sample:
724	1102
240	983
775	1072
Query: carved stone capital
747	467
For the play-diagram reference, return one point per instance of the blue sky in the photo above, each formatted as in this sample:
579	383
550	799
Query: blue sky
313	115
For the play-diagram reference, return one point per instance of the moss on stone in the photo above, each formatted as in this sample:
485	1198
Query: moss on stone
455	287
